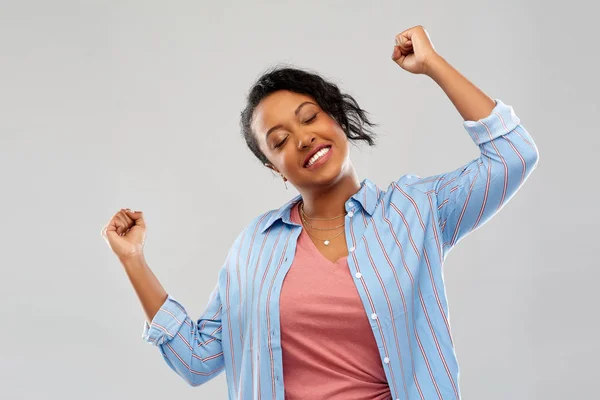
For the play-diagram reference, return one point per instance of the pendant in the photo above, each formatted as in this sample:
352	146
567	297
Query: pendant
326	243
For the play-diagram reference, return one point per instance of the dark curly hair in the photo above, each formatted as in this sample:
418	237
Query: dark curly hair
340	106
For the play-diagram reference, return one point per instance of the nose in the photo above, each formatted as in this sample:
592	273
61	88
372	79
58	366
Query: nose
305	139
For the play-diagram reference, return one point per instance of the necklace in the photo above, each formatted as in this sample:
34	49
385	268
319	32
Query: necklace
320	229
325	241
320	219
323	229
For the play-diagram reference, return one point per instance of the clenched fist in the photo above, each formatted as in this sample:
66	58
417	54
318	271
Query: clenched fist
414	50
125	234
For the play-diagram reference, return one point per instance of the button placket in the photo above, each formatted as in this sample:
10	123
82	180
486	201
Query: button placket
358	275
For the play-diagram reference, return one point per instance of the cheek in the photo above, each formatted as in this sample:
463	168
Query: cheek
284	161
336	130
340	137
342	141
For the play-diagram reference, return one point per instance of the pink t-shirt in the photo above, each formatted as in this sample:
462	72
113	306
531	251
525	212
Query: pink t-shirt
329	351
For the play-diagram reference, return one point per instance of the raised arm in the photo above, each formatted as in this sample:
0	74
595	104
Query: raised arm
191	348
470	195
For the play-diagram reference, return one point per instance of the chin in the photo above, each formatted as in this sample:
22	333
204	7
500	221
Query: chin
328	176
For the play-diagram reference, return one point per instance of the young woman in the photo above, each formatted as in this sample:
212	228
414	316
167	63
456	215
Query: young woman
339	293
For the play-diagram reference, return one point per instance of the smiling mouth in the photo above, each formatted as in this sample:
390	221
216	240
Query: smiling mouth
317	156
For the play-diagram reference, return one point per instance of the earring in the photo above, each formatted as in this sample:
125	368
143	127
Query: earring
282	177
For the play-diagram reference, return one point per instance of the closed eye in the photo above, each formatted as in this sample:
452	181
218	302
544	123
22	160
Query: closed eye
281	143
311	119
308	121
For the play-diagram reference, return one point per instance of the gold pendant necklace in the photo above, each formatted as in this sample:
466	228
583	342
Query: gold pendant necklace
325	241
303	216
320	219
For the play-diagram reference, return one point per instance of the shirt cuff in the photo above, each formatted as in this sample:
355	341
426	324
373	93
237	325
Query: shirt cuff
501	121
166	323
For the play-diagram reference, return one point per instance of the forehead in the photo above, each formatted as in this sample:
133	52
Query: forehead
275	109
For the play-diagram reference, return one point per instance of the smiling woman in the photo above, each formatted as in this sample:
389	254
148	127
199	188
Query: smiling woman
323	95
289	129
339	293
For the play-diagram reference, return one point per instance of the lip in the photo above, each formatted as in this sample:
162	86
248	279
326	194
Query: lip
313	152
321	160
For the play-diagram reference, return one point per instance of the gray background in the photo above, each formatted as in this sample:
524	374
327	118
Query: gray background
105	105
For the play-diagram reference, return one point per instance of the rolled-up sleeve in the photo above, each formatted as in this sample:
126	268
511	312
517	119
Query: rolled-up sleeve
166	323
192	349
467	197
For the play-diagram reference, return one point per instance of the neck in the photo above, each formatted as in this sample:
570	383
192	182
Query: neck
328	202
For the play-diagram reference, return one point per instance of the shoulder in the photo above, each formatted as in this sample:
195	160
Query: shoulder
257	224
412	183
251	229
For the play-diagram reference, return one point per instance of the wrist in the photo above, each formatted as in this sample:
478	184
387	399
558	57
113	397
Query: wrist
433	65
133	260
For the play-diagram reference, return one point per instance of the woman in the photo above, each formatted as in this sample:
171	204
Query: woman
362	311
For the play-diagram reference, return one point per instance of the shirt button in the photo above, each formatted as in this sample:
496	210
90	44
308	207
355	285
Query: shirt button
350	214
358	275
351	249
373	316
386	360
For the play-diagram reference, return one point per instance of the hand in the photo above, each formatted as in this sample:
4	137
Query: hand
413	50
125	234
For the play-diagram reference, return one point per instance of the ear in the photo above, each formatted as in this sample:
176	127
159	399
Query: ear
271	167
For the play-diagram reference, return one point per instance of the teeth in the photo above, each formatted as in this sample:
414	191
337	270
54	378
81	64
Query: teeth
317	155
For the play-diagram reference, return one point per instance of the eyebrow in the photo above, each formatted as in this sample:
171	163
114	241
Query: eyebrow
295	112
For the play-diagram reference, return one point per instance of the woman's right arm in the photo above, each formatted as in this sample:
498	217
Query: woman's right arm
192	349
151	293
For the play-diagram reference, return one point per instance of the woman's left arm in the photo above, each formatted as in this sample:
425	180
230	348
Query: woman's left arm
414	52
472	103
470	195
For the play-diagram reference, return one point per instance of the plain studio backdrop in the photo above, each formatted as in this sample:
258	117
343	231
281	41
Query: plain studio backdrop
109	105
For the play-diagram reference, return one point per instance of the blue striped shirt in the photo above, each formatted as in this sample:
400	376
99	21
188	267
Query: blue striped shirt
397	240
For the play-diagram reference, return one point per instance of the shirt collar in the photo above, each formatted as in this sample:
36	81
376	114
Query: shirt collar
366	197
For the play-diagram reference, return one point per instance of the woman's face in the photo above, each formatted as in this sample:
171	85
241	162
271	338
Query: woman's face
289	127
